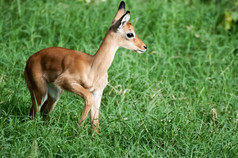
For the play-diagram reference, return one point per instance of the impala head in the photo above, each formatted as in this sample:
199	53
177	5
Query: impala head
124	31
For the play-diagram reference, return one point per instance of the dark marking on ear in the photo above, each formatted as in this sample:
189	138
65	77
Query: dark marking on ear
127	12
122	5
118	22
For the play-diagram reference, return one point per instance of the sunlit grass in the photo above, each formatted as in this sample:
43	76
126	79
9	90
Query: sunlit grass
162	103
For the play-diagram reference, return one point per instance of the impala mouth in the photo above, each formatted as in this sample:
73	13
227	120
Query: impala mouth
140	51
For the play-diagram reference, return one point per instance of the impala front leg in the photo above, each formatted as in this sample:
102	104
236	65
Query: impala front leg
88	105
95	110
81	91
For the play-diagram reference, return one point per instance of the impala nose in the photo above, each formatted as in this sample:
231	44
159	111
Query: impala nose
145	47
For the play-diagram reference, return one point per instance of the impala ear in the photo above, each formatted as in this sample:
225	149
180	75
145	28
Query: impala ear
122	22
120	12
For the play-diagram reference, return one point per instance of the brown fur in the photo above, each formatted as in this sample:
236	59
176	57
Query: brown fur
52	70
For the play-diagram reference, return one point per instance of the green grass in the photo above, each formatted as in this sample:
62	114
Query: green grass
157	104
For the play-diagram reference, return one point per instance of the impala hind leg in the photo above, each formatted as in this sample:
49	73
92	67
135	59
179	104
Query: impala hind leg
38	91
53	93
47	107
38	97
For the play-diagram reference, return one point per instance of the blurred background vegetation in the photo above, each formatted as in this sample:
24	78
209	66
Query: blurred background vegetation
179	99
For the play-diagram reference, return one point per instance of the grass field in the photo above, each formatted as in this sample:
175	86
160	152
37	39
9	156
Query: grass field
179	99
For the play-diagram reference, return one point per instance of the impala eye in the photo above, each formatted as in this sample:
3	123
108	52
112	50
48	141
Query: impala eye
130	35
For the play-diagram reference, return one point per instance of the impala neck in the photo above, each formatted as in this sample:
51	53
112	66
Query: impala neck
105	54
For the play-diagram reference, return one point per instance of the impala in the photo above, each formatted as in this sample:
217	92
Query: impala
50	71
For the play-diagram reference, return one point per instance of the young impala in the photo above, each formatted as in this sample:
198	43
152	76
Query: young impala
52	70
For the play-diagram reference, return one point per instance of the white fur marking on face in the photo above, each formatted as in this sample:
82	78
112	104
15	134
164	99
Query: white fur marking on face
134	35
140	51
